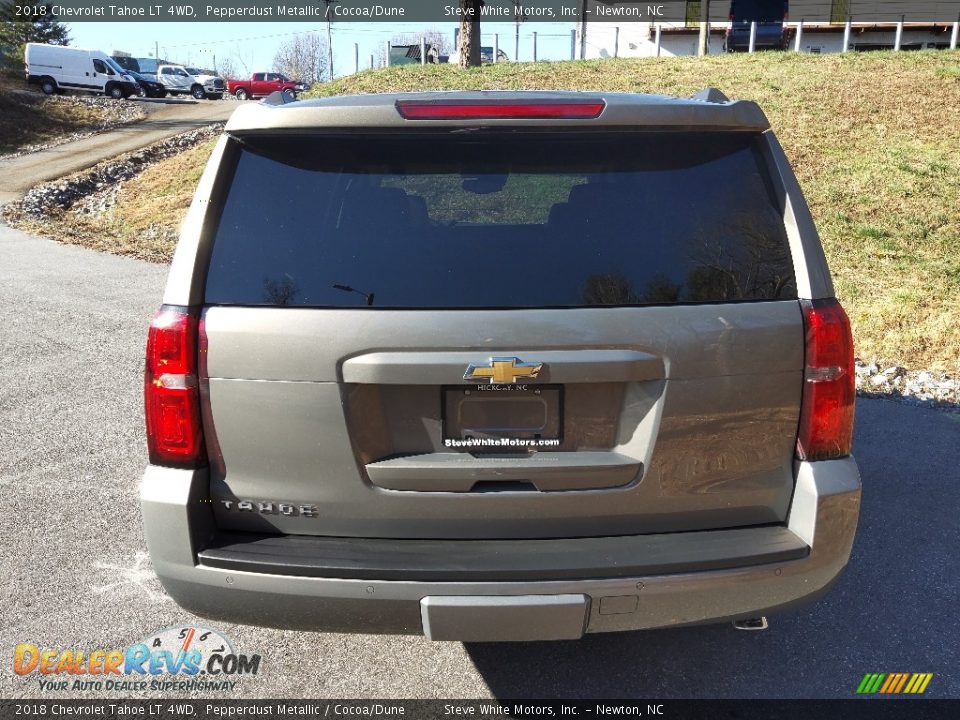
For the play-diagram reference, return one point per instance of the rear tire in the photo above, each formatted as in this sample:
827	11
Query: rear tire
198	92
48	86
242	94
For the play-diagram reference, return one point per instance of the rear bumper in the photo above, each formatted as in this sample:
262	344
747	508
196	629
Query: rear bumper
735	574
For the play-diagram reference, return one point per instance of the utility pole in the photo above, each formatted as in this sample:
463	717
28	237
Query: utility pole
583	29
704	27
518	16
329	38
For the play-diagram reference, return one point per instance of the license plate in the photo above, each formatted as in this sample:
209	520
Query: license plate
497	417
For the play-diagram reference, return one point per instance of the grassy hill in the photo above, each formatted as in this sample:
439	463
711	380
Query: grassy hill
874	138
28	118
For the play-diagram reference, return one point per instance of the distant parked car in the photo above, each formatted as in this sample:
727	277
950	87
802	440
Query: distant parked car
213	85
177	79
55	68
262	84
180	81
148	88
144	66
486	56
769	15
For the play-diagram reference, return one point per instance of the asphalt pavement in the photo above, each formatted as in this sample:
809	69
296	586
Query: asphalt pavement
165	118
74	573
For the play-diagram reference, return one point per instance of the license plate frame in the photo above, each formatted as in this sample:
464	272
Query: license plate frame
501	412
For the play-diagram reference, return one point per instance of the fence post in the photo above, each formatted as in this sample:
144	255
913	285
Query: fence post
796	46
371	61
496	47
659	28
423	50
846	33
954	35
573	44
753	36
356	57
534	45
898	40
386	54
616	41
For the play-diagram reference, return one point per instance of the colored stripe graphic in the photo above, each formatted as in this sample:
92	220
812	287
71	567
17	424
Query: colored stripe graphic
890	682
903	681
894	683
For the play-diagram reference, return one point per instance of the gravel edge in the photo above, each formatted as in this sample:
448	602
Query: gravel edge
63	194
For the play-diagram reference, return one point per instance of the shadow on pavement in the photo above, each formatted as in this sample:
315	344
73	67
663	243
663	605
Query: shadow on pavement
893	610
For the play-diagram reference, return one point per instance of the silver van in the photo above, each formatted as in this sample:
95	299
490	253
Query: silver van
499	366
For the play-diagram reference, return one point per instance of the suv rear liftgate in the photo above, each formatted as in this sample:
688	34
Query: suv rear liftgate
498	366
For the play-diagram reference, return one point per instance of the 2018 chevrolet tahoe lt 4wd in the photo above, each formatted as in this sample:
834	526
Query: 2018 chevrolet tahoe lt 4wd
499	366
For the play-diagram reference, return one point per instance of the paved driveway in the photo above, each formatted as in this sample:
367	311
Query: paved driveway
74	573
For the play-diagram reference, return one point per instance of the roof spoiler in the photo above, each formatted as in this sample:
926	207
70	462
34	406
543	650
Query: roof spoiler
710	95
278	97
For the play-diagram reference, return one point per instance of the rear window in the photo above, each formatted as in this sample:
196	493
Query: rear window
499	220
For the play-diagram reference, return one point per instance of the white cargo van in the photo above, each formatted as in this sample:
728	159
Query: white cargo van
56	67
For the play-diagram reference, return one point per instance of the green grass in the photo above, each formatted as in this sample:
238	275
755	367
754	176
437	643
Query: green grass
874	139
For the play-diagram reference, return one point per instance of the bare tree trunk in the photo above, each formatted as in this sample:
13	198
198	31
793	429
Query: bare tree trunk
704	24
469	49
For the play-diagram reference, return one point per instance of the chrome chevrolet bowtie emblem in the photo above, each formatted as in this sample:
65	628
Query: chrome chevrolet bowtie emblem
503	370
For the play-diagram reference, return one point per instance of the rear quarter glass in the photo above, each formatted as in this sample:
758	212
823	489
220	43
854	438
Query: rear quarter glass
499	220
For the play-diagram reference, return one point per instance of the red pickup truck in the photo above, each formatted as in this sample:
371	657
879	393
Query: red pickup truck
262	84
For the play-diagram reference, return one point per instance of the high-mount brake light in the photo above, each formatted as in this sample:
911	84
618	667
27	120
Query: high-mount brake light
500	110
826	414
171	393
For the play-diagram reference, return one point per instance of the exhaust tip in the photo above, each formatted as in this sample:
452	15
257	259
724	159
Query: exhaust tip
759	623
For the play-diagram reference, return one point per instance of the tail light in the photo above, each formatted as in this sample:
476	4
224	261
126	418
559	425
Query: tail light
171	395
826	415
496	110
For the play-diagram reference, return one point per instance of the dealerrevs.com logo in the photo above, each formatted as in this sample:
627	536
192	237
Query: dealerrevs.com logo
187	658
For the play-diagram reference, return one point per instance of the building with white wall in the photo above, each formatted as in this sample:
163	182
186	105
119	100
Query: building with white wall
927	24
